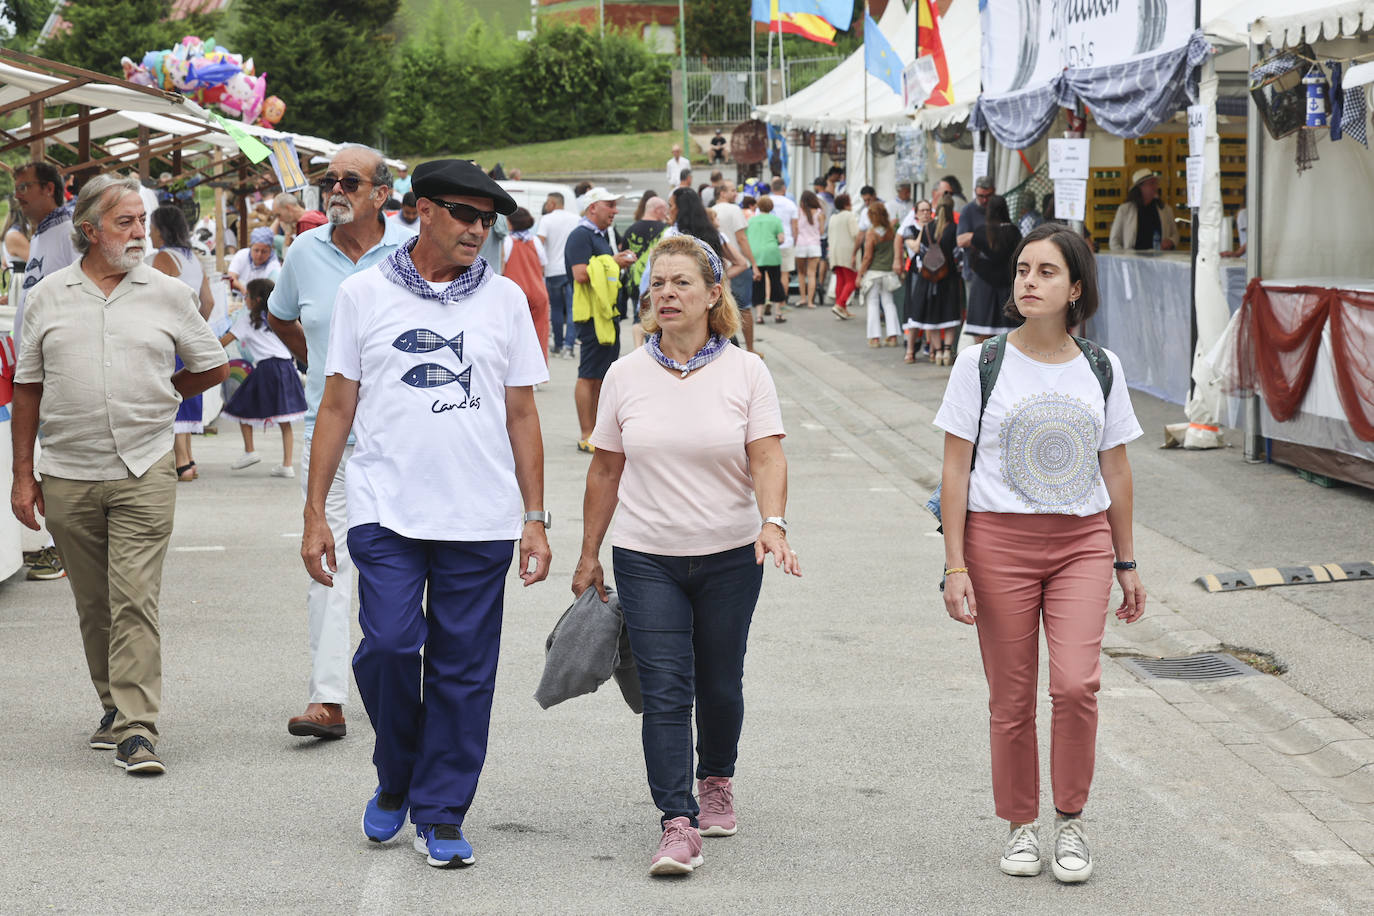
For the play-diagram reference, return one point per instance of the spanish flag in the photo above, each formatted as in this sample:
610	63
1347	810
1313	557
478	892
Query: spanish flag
804	24
928	43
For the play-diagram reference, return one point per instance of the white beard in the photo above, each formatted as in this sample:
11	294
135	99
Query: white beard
339	211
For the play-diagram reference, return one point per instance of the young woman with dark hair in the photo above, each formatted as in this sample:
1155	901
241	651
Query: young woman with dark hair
1034	528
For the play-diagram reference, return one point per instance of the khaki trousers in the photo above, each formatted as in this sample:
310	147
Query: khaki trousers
112	536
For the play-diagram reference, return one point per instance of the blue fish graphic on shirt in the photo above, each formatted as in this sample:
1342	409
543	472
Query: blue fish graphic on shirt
423	340
433	375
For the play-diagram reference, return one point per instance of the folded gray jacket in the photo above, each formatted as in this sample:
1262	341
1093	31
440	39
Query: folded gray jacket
589	645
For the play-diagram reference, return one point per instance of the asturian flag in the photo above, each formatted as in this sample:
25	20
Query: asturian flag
804	24
928	44
879	57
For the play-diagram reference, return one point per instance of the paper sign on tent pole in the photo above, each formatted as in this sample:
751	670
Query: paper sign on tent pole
1069	159
919	79
1070	198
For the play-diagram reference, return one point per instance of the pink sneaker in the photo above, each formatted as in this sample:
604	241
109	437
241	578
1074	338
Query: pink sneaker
716	796
680	850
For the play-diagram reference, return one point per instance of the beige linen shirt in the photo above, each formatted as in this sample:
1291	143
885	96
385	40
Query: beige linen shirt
106	368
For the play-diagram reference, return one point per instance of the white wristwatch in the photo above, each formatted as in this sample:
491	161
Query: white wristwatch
777	520
540	516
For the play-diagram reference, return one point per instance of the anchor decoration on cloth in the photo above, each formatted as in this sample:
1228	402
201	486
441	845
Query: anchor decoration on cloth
1315	83
433	375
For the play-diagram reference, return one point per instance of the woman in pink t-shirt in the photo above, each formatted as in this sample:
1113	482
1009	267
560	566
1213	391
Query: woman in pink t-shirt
688	448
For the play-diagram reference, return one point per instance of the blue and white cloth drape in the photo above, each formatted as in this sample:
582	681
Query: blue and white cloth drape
1127	99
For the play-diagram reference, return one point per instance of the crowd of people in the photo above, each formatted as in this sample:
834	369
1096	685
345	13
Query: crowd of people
434	322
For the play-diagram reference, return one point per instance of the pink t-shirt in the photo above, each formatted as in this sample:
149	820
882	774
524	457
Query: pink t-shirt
808	233
686	489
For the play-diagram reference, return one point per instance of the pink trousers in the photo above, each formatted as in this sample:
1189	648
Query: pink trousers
1025	568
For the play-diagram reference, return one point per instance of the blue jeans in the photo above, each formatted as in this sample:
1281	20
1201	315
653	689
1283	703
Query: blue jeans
560	310
742	287
430	749
688	620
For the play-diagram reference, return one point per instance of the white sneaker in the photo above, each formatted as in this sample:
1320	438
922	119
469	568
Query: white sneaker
284	470
1072	862
246	460
1021	855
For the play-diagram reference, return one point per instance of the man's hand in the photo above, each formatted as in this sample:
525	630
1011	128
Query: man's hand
25	497
534	542
589	574
964	239
1167	245
626	258
317	549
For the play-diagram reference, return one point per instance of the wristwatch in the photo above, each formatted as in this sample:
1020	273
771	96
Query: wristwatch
1124	564
538	516
777	520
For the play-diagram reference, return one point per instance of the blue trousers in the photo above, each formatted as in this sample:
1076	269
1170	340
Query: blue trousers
429	749
560	291
688	620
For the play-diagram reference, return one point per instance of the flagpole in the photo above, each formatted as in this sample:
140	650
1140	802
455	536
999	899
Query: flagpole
753	79
867	178
768	73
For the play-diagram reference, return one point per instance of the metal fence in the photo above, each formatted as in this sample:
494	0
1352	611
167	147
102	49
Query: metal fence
725	90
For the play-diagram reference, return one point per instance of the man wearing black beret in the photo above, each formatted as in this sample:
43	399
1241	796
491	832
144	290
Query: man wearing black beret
432	362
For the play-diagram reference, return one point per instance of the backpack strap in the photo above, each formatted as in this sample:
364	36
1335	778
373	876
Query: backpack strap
990	358
1097	361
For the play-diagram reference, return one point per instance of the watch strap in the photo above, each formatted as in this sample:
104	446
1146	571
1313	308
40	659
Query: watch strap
1124	565
540	516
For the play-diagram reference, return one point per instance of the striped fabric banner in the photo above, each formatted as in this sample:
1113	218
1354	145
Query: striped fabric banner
286	163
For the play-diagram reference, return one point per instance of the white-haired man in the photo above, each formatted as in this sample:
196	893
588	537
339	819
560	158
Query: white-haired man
354	189
99	340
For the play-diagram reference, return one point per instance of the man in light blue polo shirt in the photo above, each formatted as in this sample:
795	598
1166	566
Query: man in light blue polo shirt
353	192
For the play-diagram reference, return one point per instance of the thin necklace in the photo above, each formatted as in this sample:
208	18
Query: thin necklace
1051	354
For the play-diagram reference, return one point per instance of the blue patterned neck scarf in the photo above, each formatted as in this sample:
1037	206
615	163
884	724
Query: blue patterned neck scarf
400	269
53	218
591	225
523	235
715	345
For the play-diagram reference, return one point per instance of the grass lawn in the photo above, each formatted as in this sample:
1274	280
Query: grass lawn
584	155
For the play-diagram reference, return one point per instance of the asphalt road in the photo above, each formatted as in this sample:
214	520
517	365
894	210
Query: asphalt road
863	784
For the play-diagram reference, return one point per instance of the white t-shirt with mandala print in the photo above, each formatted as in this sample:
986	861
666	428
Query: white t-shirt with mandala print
1042	430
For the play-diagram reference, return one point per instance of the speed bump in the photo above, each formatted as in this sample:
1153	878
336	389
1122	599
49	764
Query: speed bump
1359	570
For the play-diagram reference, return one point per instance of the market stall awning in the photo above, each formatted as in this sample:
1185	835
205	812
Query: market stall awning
1285	28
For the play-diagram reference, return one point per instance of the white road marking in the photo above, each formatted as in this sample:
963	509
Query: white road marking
203	549
1327	857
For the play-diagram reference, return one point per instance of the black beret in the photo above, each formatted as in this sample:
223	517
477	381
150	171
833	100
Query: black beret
459	176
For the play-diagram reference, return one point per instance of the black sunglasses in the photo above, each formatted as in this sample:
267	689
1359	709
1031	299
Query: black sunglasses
466	214
350	183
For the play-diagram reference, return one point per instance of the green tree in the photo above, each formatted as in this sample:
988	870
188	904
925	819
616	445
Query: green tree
103	31
20	21
718	28
329	60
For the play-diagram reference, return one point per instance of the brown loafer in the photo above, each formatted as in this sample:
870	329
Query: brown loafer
320	720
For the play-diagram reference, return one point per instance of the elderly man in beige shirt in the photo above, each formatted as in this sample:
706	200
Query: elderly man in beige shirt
96	369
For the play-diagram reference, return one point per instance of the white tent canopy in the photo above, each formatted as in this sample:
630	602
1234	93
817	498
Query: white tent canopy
835	102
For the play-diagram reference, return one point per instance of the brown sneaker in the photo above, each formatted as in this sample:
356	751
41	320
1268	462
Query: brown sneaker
136	756
103	738
320	720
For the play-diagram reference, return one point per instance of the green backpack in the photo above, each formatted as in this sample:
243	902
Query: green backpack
990	365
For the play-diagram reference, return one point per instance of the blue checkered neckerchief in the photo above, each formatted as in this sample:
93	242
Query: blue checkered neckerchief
53	218
584	222
400	269
715	345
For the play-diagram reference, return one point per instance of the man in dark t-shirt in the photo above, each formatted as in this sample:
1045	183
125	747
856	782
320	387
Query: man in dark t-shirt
592	236
718	143
640	239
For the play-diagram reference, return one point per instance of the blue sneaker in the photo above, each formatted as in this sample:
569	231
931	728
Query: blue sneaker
444	845
384	816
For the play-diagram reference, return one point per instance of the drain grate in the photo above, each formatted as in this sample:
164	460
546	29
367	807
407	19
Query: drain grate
1209	666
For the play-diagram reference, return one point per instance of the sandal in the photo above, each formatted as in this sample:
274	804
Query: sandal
909	358
778	319
186	473
762	320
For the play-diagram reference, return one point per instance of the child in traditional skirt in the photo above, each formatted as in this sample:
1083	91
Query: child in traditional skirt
272	393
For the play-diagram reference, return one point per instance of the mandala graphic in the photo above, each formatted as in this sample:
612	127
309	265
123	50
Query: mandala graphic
1049	452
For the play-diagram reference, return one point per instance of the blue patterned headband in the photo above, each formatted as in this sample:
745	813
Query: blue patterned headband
716	269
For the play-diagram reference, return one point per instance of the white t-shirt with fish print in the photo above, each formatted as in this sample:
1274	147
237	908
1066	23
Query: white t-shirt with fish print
433	459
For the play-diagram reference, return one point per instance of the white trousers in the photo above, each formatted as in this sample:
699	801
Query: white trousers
880	305
330	608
